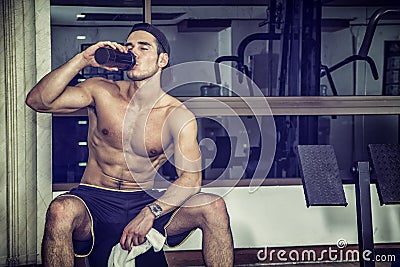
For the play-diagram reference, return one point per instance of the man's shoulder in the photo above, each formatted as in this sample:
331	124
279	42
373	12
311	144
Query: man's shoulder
99	81
178	108
99	84
179	116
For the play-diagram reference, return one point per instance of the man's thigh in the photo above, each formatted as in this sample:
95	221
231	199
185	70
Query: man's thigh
190	215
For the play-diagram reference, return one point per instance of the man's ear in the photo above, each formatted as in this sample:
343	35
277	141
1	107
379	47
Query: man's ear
163	59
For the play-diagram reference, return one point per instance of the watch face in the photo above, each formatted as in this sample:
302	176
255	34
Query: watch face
156	210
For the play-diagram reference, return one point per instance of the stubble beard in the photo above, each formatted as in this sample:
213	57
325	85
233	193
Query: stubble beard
143	75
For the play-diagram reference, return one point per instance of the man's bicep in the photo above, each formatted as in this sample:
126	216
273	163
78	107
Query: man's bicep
73	98
186	148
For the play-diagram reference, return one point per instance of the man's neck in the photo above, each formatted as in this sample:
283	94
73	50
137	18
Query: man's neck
145	93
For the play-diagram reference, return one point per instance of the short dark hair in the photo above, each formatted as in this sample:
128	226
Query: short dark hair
160	49
162	42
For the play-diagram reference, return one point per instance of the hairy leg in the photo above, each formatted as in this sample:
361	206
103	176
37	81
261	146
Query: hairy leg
66	217
207	212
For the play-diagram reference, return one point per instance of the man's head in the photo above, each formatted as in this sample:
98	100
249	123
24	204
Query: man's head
162	42
151	48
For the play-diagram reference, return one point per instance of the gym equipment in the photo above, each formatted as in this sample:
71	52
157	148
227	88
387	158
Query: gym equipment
322	185
385	160
320	174
364	49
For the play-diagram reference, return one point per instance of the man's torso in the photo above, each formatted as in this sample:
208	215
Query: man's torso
126	144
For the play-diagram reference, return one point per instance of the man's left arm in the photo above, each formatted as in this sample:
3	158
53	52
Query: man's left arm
182	126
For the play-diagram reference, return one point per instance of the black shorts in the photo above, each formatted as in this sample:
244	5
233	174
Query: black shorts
110	211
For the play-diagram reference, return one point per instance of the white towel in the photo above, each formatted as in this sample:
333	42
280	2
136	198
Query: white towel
121	258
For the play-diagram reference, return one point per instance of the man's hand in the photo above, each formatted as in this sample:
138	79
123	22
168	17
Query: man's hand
136	230
88	54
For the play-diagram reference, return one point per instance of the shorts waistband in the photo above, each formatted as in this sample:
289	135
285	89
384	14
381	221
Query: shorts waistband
111	189
117	190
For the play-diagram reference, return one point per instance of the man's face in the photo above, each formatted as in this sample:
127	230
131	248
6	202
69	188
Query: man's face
144	46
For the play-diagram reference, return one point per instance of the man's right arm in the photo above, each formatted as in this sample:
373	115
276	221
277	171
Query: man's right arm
52	93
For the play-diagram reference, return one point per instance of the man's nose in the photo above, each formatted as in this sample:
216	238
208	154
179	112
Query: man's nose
135	51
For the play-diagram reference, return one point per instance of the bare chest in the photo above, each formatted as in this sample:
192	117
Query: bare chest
140	133
145	133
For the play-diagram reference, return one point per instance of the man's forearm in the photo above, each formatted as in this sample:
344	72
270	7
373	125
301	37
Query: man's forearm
179	191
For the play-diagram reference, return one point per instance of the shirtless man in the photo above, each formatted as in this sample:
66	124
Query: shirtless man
115	201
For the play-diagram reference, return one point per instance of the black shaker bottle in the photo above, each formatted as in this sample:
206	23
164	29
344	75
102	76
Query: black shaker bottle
114	58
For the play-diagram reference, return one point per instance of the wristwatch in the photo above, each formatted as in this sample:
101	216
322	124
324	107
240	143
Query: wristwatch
155	209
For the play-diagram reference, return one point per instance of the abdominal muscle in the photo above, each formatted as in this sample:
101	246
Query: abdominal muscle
107	167
107	163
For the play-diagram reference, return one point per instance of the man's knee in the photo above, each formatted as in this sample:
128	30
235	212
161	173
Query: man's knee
215	212
63	212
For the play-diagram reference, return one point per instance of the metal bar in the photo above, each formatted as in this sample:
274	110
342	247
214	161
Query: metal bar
295	105
330	80
310	65
285	47
364	215
272	27
369	34
353	58
147	11
254	37
216	65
